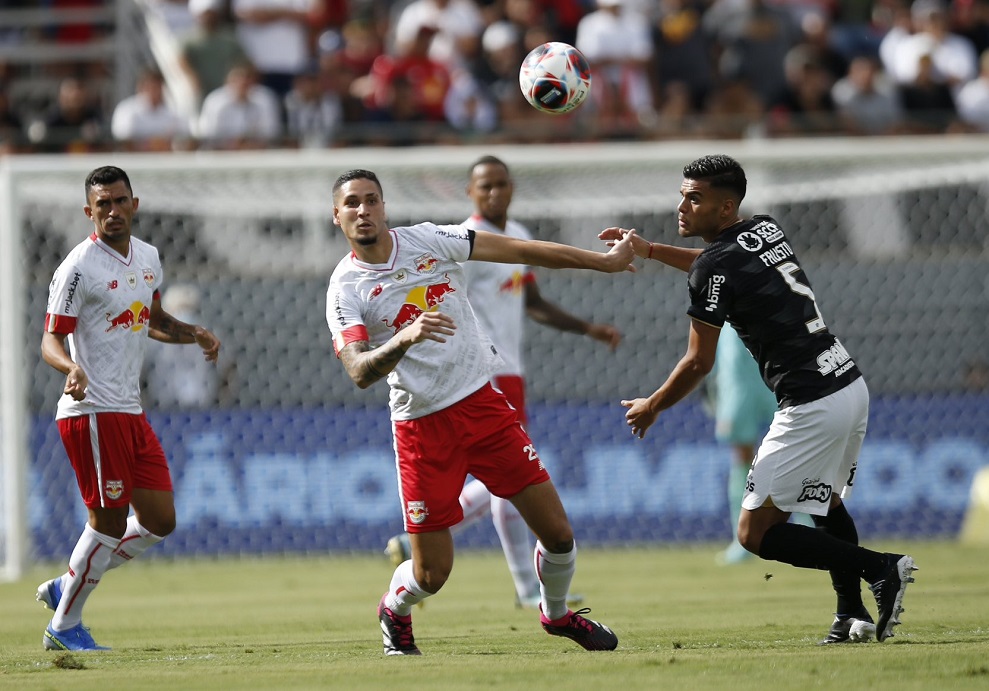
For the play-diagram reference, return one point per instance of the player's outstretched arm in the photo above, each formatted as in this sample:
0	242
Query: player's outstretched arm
492	247
366	365
677	257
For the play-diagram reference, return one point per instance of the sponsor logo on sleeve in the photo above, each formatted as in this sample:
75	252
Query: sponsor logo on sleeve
714	291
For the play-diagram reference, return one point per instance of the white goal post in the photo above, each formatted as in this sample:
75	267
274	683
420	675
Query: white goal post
266	215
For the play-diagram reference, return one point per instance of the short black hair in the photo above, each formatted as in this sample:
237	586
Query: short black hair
718	170
356	174
107	175
488	160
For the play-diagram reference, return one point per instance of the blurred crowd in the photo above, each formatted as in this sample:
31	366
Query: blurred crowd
321	73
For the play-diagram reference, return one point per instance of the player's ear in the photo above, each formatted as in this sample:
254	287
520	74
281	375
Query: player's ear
728	207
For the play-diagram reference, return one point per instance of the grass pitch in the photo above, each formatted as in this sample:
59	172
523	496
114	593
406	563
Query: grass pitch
682	622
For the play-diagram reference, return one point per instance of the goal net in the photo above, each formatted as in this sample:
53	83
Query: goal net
276	451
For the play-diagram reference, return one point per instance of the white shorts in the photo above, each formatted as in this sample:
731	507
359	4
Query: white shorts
810	452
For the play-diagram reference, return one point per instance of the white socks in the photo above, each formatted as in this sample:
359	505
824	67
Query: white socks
517	545
110	553
404	591
89	561
475	500
555	572
134	543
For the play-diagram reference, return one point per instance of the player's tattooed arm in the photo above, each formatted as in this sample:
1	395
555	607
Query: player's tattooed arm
167	329
366	365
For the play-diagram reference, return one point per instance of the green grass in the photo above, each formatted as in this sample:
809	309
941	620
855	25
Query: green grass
682	621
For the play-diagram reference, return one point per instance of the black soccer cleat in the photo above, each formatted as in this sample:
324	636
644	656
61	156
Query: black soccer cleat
589	634
858	628
396	632
889	590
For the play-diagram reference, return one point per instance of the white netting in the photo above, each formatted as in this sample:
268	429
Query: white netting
892	233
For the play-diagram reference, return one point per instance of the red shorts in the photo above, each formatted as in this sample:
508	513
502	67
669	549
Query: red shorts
513	386
480	436
113	454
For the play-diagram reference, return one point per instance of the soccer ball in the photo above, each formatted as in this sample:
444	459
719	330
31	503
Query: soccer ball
555	78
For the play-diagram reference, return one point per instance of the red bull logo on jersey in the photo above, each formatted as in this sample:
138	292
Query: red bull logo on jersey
114	489
418	300
417	512
134	318
149	277
514	284
424	264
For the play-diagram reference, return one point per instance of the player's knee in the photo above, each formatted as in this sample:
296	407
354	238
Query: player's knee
749	538
562	545
431	580
160	525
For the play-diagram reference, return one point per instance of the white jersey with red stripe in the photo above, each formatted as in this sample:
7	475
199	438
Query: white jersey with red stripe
102	300
373	302
497	294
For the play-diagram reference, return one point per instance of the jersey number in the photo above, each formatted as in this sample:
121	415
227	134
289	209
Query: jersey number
789	270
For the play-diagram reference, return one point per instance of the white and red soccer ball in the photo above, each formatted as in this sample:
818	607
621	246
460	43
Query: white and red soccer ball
555	78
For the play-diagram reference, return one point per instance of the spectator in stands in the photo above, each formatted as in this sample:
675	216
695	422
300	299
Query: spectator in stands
806	107
313	113
617	43
409	86
753	38
74	124
241	114
12	136
734	111
344	57
899	28
683	52
498	72
458	25
866	99
276	36
207	54
468	106
973	98
953	58
970	19
146	121
929	107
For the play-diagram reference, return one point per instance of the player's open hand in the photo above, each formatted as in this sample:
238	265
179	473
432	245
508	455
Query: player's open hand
430	326
209	343
605	333
612	236
639	416
622	252
76	383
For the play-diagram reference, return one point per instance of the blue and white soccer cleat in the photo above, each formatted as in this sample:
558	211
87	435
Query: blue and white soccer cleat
50	593
77	639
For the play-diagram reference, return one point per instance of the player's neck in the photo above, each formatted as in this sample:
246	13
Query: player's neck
120	245
500	223
377	253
